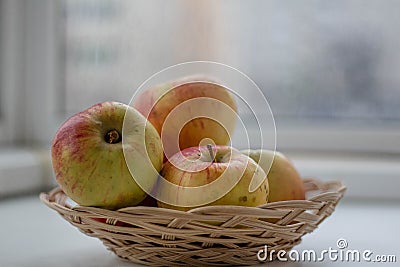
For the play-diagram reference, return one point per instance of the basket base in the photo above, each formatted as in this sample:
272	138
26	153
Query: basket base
214	256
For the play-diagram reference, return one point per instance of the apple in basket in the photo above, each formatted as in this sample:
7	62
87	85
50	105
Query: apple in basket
285	182
88	157
187	111
212	175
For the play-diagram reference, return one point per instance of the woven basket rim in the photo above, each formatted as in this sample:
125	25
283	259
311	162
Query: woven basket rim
325	188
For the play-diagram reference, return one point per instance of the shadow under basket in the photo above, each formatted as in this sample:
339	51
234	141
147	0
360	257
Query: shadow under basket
207	236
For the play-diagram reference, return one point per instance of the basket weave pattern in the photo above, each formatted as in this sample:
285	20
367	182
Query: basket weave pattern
207	236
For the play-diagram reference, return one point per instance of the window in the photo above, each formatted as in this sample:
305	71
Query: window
30	72
9	67
27	86
329	70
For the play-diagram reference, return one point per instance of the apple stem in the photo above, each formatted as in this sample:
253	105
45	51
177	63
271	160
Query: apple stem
210	150
112	137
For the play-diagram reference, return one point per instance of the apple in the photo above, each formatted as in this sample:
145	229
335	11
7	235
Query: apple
89	161
211	175
285	182
196	109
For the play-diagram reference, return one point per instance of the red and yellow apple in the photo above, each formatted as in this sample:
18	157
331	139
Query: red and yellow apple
285	182
89	161
213	116
211	175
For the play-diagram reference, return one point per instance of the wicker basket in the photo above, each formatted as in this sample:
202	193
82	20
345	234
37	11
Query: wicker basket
207	236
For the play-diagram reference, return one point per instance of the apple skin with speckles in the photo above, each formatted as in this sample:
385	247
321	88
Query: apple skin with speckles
195	167
88	158
158	102
284	180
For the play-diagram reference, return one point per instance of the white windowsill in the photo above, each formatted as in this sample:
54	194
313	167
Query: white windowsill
29	170
364	176
24	170
40	237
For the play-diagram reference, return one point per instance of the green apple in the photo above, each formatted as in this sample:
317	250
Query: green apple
89	161
212	175
285	182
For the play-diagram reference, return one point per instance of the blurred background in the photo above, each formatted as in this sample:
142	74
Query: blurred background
329	70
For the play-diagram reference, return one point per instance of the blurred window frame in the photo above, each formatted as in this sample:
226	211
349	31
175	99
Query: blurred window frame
28	83
31	78
11	72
